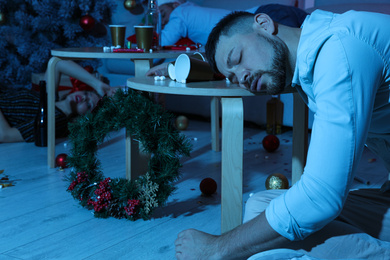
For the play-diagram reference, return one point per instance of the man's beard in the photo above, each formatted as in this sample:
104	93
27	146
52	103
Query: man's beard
277	73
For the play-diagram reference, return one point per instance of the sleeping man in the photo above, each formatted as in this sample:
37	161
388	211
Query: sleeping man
339	64
186	23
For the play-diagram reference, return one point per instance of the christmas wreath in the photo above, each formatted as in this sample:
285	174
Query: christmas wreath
146	122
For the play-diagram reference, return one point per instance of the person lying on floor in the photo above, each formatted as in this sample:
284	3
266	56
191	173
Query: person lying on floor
18	107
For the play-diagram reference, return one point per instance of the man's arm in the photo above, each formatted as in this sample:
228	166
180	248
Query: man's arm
159	70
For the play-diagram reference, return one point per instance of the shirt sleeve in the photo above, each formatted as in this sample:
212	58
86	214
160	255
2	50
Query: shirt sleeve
345	77
174	30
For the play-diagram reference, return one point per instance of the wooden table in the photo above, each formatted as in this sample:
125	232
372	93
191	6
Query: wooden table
142	61
230	96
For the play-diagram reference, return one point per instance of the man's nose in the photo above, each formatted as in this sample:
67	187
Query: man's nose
243	78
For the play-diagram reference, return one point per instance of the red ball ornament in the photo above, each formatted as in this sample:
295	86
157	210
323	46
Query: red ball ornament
208	186
89	68
61	160
271	143
87	22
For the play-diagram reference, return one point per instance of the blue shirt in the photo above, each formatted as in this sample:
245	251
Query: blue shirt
196	22
192	21
342	73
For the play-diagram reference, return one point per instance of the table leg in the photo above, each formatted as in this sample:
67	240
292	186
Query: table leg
137	162
51	97
232	163
140	160
300	142
141	67
214	107
129	151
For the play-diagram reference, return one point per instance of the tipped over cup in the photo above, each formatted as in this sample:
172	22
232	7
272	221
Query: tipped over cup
189	69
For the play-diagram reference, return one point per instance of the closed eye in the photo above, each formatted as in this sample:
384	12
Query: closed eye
235	59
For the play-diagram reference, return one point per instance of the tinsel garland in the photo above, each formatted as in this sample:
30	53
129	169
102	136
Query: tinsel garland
146	122
35	27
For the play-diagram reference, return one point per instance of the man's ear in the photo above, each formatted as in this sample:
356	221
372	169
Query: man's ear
265	23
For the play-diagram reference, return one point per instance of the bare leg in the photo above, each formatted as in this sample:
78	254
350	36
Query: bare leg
8	134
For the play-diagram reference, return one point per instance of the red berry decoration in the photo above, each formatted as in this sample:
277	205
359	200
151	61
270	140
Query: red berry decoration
271	143
61	160
208	186
87	22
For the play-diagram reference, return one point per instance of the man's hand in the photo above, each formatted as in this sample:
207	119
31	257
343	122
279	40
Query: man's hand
241	242
194	244
159	70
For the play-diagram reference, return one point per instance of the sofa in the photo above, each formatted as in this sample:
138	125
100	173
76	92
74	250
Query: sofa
118	71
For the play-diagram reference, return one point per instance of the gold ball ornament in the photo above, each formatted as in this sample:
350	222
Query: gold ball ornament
181	122
2	18
129	4
276	181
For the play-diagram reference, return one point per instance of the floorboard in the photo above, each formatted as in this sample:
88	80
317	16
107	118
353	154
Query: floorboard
40	220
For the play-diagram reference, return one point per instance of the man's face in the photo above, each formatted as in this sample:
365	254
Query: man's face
255	61
165	11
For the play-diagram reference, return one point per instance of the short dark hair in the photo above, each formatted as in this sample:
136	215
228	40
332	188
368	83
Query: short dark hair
234	22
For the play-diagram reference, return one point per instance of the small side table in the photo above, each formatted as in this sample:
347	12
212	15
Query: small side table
142	61
232	134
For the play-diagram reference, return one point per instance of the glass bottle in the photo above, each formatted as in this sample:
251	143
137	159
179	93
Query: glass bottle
274	115
153	17
40	126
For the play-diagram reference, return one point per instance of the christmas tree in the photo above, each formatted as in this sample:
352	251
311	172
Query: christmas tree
29	29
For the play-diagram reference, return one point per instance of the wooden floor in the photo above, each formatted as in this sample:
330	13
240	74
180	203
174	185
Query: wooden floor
40	220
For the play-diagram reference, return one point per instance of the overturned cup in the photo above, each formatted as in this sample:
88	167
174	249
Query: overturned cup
189	69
